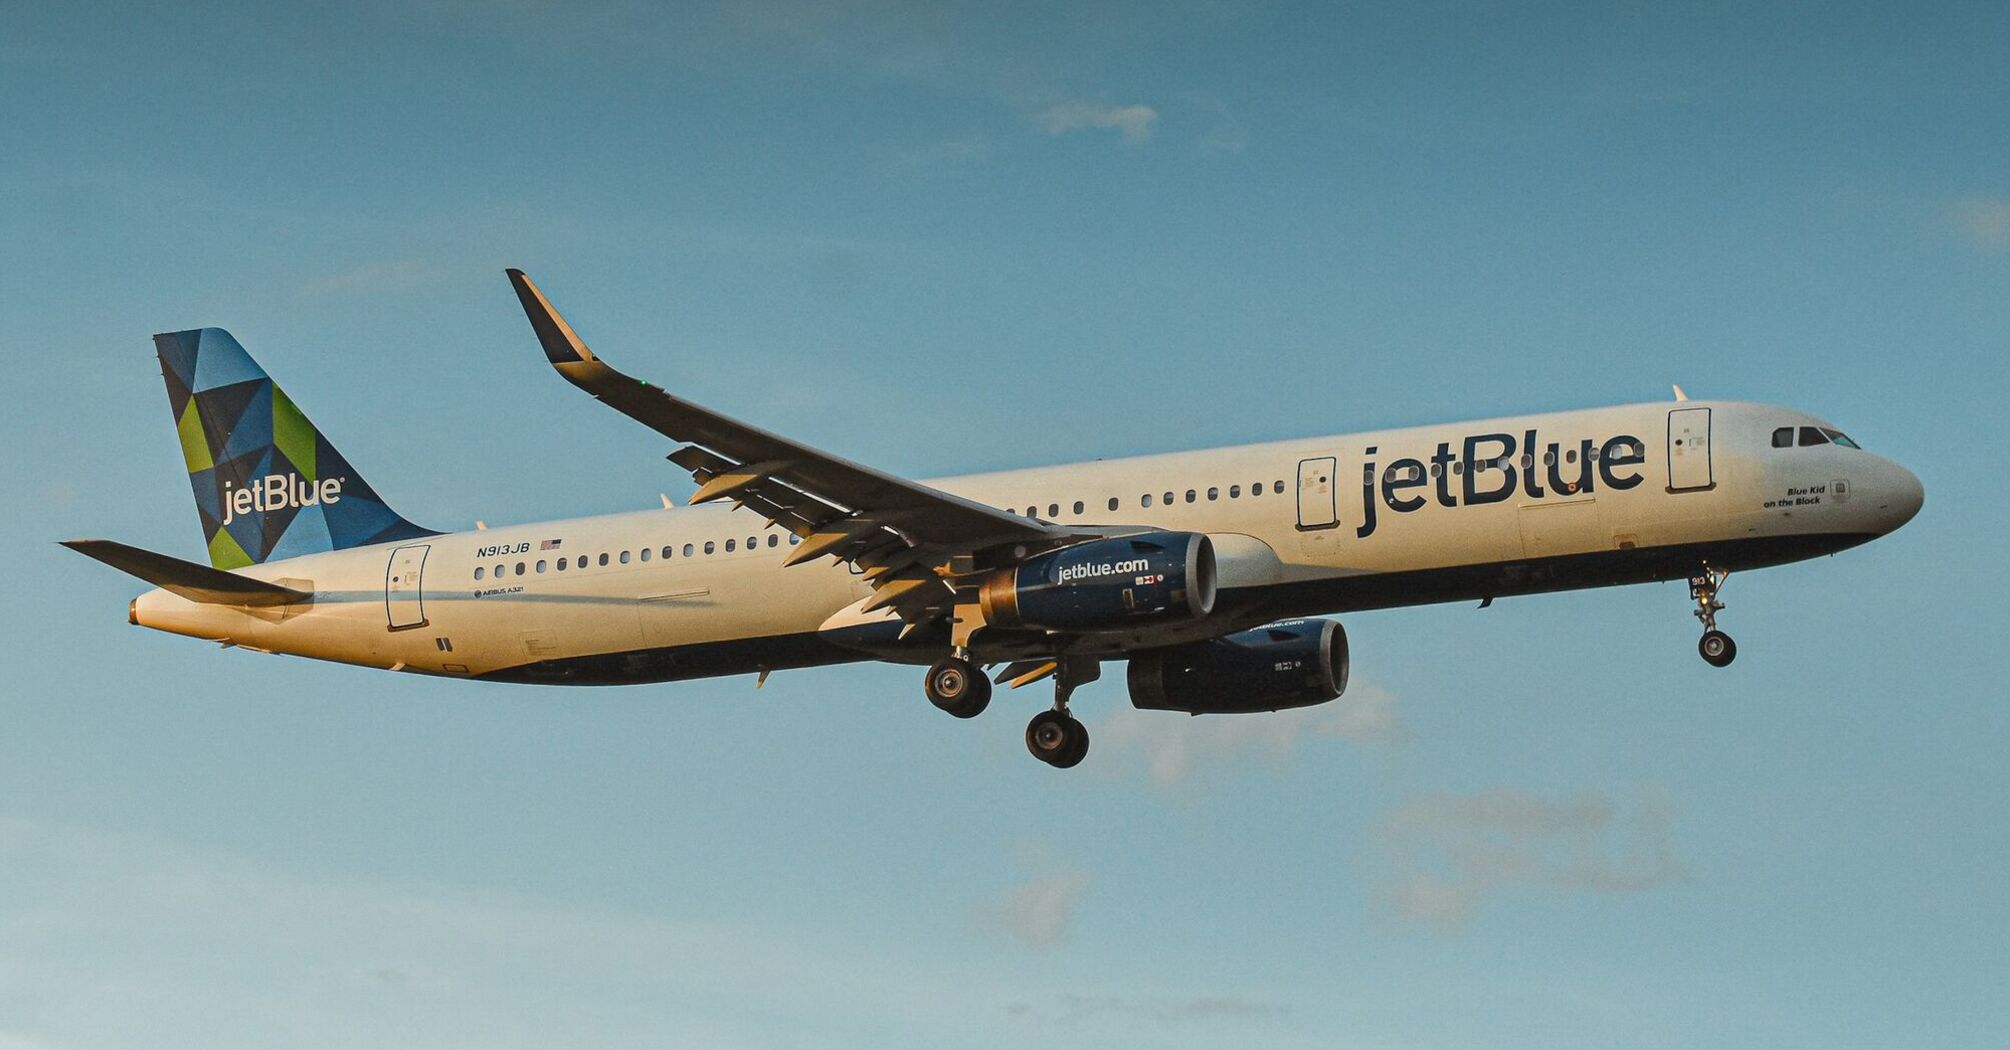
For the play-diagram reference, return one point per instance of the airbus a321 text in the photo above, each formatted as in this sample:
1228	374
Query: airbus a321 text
1202	570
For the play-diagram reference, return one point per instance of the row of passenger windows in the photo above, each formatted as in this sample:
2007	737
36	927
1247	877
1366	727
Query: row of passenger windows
585	561
1784	437
1146	500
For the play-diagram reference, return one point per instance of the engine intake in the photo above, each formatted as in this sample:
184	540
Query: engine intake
1291	663
1106	584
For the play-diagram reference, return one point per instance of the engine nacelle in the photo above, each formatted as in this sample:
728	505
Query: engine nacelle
1291	663
1106	585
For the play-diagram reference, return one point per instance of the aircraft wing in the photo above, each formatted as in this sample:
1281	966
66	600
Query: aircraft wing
905	535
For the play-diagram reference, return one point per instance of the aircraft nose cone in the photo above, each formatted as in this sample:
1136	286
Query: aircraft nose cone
1904	495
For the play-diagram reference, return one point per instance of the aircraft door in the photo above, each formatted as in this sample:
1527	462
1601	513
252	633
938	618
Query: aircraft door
404	604
1689	450
1317	485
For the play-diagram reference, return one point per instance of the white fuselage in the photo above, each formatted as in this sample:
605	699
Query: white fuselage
1319	525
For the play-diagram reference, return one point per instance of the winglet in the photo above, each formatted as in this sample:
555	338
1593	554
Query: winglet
197	583
561	344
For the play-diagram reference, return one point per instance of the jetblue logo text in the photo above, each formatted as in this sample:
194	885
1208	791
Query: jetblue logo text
1087	570
278	492
1490	468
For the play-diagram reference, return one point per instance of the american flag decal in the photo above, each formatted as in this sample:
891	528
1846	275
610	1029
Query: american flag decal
549	545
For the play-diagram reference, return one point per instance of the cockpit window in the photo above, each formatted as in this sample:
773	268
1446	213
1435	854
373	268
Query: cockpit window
1840	438
1813	436
1783	437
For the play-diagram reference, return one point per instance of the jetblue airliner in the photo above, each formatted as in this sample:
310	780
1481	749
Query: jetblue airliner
1203	570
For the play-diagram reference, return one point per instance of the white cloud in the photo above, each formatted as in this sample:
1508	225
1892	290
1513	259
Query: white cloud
1444	856
1133	122
1985	220
1039	912
1173	748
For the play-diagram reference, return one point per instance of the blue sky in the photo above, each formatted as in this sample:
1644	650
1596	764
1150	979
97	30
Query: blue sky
944	238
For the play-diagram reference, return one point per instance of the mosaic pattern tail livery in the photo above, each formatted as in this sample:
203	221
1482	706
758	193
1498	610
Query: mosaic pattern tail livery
267	484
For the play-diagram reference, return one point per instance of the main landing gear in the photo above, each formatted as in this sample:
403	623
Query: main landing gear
1717	647
1054	736
958	686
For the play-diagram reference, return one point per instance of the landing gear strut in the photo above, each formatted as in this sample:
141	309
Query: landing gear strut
958	687
1054	736
1717	647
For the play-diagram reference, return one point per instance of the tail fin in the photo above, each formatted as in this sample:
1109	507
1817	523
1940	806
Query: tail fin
267	483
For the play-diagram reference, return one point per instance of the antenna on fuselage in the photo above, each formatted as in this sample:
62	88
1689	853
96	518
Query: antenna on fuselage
1679	395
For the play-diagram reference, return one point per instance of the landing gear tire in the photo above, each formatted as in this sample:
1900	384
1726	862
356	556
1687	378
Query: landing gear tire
1717	648
958	687
1054	737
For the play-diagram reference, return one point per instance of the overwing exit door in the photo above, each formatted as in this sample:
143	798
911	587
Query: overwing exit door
404	603
1689	450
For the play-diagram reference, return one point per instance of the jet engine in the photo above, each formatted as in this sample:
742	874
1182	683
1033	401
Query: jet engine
1291	663
1105	585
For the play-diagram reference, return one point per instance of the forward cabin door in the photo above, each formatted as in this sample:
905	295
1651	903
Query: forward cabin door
1317	488
404	605
1689	450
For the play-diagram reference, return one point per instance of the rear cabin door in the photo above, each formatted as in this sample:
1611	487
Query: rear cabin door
404	605
1316	493
1689	450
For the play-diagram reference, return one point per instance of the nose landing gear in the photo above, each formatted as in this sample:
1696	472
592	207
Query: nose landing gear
1716	647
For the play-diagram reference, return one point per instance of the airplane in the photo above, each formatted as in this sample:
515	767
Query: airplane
1212	573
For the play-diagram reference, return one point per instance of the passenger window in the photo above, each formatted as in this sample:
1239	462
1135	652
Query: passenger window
1053	510
1113	503
645	554
1213	494
1256	489
710	547
794	539
1235	492
688	551
1033	512
1811	436
519	568
540	565
774	540
666	551
561	564
498	571
729	546
624	557
479	571
1078	506
1190	495
603	558
753	542
1169	499
1145	500
1278	488
1783	437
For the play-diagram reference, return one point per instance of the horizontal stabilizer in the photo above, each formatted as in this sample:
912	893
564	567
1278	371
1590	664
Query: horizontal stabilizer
197	583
